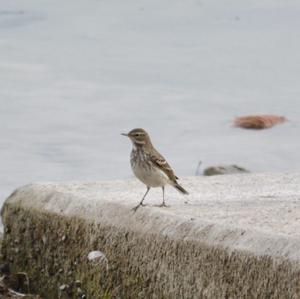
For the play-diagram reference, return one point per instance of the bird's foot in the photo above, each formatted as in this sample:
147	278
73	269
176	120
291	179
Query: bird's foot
136	207
163	205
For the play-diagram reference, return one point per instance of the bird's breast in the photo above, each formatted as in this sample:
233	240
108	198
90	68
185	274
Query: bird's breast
145	171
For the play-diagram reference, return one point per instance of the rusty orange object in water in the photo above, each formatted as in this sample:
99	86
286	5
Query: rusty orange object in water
258	121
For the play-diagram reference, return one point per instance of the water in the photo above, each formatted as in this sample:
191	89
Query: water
74	75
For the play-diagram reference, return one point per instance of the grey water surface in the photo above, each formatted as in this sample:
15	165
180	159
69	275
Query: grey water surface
74	75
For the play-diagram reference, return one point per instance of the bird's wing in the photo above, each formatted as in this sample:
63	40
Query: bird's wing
159	161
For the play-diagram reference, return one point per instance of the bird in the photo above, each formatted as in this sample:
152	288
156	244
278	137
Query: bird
149	166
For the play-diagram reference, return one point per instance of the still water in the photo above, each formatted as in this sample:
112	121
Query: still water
73	77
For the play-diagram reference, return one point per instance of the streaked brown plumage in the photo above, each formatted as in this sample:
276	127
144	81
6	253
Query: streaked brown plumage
149	166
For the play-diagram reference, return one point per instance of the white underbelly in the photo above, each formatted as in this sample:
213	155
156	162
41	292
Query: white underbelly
152	177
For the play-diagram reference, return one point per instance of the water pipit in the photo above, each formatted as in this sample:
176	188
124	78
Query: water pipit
149	166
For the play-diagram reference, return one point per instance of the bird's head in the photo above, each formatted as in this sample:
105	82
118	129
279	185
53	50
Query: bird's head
139	137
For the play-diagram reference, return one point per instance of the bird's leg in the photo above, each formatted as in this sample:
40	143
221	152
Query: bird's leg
163	203
141	202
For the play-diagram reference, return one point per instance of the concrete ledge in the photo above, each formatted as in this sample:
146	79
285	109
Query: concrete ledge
238	236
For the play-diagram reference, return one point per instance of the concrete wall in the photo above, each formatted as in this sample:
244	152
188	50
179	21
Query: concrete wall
235	236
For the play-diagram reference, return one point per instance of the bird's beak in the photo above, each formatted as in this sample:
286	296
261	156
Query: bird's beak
124	134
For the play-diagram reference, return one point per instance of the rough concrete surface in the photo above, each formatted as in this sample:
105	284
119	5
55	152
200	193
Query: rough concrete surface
234	236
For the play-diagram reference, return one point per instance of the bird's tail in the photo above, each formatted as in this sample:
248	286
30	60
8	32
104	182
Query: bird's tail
180	189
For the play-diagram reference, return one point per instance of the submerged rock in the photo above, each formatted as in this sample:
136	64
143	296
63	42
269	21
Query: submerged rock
224	169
